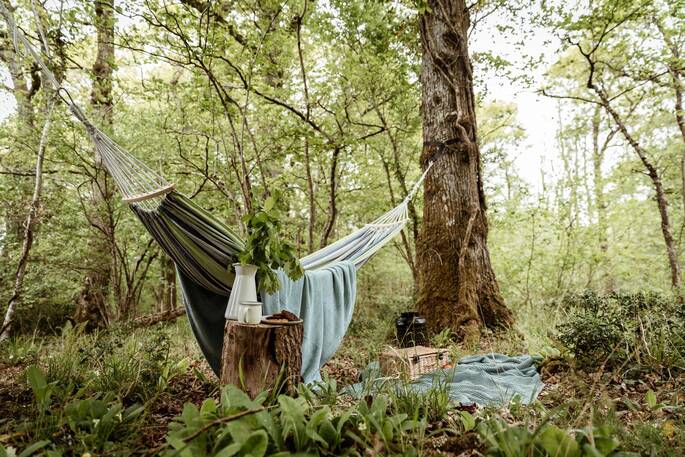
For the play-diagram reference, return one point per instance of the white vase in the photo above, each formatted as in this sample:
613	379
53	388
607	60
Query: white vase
244	289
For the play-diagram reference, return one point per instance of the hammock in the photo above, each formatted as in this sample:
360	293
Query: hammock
202	247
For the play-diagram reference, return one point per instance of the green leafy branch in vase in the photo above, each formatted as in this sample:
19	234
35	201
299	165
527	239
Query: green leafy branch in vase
266	249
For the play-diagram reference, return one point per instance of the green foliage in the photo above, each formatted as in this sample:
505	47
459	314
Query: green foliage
575	228
265	246
91	424
431	406
42	391
621	328
135	368
20	349
548	441
240	426
443	338
97	424
67	416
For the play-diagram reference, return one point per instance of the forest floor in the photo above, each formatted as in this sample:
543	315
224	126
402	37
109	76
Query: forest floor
89	379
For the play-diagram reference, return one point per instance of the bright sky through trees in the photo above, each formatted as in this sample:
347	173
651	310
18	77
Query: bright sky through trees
536	114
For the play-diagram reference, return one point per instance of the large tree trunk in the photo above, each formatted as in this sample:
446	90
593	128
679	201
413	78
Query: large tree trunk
91	304
456	283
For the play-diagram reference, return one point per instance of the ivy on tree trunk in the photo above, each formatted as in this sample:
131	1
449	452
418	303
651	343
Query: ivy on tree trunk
457	287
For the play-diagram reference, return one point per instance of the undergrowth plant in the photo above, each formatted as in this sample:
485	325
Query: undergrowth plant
136	368
237	425
100	423
504	440
103	393
630	330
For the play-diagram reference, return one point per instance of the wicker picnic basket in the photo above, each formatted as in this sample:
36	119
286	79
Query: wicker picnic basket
412	362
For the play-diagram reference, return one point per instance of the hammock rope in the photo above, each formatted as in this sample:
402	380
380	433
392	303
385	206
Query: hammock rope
199	244
137	182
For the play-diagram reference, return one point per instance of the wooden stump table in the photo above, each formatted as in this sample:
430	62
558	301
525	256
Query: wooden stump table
258	352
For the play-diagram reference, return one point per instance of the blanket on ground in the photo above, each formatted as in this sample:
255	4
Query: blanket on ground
482	379
324	299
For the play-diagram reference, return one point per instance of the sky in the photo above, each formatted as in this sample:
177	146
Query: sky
536	114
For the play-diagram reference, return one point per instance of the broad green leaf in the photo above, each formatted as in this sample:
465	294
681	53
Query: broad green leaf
255	445
591	451
467	420
558	443
33	448
650	399
230	450
606	444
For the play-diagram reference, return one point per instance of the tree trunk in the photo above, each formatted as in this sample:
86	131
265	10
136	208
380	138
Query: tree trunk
22	145
401	178
253	356
167	295
311	195
152	319
661	200
92	302
457	287
600	201
29	226
676	72
332	198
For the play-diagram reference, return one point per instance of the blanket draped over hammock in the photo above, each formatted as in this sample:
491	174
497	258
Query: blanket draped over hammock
490	379
324	299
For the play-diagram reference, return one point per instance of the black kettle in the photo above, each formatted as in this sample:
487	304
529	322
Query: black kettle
411	329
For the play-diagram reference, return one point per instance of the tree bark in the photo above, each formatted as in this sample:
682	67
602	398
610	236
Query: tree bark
167	296
92	301
457	287
253	356
152	319
23	145
311	195
332	198
676	72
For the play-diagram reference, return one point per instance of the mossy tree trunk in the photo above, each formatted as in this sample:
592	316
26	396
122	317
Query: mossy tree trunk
457	287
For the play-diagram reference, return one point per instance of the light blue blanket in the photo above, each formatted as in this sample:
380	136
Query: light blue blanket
483	379
324	299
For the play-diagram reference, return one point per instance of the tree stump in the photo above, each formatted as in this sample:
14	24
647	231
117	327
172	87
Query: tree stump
258	352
